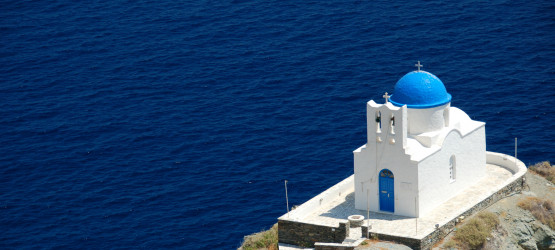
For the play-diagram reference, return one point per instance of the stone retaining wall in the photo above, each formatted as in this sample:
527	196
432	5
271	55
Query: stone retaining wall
331	246
410	242
305	235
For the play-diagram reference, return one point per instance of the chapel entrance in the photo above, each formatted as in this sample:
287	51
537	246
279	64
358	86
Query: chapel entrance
387	194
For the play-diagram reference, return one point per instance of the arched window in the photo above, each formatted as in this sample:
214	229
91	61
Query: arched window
452	168
386	173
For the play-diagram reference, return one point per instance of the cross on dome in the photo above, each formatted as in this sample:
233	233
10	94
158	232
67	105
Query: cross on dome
419	65
386	96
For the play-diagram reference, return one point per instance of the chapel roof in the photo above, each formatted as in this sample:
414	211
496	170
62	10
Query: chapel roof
420	90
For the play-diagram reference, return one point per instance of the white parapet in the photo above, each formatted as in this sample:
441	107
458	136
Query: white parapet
509	162
339	190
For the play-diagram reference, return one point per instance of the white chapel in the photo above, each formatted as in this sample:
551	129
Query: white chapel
420	151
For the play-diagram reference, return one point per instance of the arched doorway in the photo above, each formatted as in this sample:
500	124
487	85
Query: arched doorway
387	194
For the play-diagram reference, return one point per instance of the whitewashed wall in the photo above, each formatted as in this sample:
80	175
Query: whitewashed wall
426	120
435	185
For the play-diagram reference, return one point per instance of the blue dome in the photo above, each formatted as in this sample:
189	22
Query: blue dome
420	90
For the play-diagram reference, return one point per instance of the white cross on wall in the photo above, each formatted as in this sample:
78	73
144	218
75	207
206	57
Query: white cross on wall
386	96
419	65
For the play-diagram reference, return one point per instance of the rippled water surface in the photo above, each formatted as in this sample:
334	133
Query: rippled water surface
173	124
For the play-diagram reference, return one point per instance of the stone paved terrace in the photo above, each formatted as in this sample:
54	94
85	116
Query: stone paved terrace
335	211
501	171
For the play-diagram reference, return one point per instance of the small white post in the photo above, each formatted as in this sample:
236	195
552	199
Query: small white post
286	198
368	213
416	218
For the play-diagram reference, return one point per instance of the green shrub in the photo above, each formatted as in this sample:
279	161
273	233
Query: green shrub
544	169
475	231
542	209
451	244
265	240
490	219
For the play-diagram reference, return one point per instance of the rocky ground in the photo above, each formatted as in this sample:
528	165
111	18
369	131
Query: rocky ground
518	228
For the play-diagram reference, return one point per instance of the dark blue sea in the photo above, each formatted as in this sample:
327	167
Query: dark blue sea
173	124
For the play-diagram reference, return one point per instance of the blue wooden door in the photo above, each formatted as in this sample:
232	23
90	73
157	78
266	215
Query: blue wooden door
387	194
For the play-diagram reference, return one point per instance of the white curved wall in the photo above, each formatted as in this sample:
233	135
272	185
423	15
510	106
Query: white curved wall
426	120
517	167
